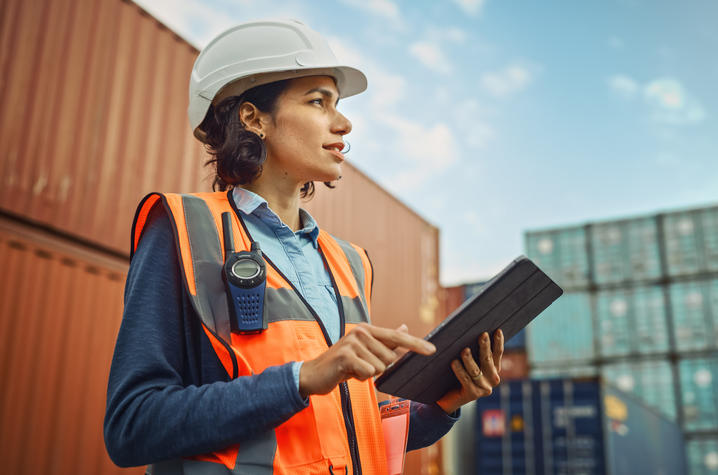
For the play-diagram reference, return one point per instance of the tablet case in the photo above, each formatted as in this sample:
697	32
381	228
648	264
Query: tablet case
510	300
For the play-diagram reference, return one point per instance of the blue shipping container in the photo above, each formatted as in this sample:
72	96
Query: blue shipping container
576	427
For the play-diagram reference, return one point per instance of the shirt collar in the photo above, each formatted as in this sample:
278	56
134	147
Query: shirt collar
249	202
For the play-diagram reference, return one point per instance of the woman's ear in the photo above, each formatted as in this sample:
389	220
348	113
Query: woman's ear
251	118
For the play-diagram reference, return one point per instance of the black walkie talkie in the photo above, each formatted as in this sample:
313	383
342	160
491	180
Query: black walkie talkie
245	278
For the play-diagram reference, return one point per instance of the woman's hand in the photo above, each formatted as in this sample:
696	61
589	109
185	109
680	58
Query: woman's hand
477	380
362	353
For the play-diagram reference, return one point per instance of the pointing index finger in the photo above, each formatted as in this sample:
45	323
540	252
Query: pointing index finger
396	339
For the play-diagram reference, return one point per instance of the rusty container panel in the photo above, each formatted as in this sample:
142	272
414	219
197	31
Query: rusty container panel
514	365
94	115
451	299
60	309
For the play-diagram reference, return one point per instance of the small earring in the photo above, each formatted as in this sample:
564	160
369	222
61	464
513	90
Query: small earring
261	135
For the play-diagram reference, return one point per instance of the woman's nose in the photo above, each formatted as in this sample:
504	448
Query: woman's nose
342	125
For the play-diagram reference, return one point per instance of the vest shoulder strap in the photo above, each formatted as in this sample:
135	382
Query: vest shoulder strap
198	240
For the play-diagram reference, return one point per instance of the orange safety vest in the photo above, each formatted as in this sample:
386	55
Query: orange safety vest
339	432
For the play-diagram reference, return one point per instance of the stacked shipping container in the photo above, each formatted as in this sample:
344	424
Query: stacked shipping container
572	427
94	118
641	310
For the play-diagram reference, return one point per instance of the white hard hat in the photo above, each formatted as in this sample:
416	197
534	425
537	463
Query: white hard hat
260	52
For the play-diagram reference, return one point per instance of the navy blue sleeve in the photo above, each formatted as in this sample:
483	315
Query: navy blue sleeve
427	424
168	395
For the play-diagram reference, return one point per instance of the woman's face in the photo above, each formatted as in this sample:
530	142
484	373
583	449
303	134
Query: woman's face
305	135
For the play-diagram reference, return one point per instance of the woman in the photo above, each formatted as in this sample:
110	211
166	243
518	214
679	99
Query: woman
200	383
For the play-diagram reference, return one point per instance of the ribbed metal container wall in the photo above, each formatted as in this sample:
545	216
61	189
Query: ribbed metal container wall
562	254
692	241
703	455
572	427
632	321
651	381
60	308
563	332
94	115
699	391
653	292
695	314
625	250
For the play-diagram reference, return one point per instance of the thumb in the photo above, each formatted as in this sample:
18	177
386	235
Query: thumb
403	328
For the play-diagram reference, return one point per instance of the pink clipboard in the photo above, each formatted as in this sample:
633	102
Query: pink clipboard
395	426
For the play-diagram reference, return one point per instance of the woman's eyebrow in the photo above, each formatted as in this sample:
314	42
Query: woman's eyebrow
324	92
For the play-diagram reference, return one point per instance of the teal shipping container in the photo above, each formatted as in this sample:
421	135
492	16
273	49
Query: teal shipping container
699	392
561	254
570	371
650	381
563	332
625	251
703	455
632	321
576	427
691	240
695	314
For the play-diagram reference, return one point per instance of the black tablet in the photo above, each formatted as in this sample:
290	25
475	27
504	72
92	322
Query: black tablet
509	301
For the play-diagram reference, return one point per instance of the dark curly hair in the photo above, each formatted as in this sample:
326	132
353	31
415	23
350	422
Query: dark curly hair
238	154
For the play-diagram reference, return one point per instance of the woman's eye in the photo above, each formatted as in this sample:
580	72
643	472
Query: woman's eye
316	101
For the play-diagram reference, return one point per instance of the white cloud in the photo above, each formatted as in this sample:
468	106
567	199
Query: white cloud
623	85
456	35
615	42
430	56
472	125
667	100
509	80
671	103
472	7
385	89
382	8
426	151
666	94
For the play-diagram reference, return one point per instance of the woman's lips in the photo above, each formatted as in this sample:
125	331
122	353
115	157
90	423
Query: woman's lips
334	150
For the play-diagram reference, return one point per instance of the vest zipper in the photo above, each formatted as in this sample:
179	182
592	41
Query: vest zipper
344	387
347	412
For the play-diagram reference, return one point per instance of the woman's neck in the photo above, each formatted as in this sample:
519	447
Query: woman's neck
282	198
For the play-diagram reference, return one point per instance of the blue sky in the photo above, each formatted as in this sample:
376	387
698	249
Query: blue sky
490	118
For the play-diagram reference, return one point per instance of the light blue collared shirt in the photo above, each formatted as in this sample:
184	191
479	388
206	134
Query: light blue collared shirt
296	254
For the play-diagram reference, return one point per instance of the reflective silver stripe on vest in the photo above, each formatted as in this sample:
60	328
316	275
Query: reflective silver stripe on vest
356	265
284	304
211	299
255	457
354	310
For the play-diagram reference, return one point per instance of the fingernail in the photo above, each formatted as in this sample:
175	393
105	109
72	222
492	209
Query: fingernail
485	336
429	346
